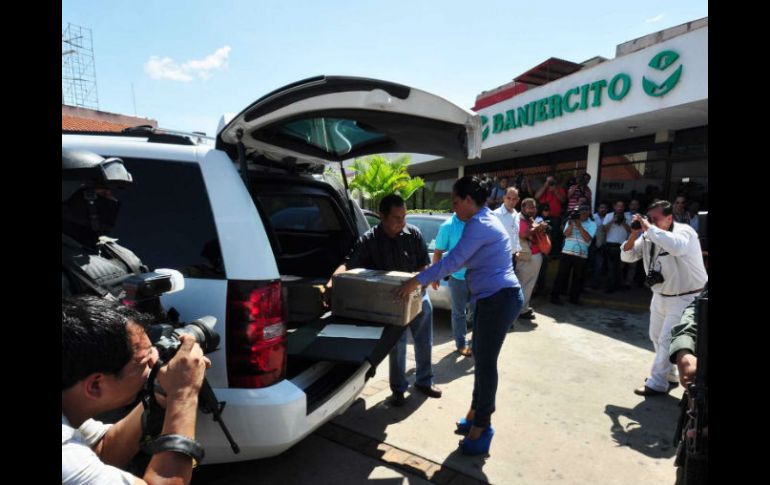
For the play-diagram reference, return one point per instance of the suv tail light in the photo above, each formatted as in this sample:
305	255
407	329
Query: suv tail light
256	334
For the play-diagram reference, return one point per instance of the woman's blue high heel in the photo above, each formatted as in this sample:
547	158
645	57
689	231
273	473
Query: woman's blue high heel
464	425
479	446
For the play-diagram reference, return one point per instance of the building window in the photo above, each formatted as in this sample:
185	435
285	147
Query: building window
639	168
644	181
691	180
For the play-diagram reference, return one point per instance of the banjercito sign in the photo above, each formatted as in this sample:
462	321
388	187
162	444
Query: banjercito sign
583	97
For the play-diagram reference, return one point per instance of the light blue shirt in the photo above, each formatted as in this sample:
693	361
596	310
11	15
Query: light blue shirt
574	244
485	250
449	234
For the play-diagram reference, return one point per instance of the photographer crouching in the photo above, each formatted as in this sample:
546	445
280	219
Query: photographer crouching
673	262
107	358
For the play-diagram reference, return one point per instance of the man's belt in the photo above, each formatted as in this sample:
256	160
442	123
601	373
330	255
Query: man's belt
683	294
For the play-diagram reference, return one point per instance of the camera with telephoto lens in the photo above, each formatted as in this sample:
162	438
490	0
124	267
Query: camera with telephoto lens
653	278
574	214
143	293
166	337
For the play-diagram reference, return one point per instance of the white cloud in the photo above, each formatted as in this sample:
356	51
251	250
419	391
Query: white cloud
657	18
166	68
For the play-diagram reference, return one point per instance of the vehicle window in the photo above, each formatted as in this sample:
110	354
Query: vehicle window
300	213
373	220
333	135
428	227
165	218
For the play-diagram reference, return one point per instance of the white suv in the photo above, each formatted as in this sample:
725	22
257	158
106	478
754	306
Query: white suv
234	233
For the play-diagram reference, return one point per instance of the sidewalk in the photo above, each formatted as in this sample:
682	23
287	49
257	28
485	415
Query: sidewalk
566	411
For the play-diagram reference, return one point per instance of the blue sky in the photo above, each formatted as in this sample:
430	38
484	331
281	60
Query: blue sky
191	61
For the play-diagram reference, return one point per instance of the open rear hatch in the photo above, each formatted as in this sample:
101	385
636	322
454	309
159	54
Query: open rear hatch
335	118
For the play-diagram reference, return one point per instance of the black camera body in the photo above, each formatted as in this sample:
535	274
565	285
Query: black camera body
143	292
166	337
574	214
653	278
637	224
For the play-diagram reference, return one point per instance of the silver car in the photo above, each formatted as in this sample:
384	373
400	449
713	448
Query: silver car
428	225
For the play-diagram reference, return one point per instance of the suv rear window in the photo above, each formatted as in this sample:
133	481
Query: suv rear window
336	136
300	213
166	219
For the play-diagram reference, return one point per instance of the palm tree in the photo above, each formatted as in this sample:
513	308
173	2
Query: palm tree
376	176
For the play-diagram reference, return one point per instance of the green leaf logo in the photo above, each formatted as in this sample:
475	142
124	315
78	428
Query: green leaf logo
485	132
661	62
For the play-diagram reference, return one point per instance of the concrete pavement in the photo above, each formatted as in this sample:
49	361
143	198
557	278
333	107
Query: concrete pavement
566	413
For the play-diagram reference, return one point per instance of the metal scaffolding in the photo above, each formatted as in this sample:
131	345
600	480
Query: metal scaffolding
78	68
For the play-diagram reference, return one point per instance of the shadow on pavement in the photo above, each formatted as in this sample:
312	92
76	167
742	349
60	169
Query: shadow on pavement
629	327
475	462
649	427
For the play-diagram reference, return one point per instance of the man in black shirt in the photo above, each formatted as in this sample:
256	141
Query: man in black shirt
394	245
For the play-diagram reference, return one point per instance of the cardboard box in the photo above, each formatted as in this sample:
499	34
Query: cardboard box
302	298
369	295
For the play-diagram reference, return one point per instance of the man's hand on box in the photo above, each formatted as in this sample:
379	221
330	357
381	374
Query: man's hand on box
407	288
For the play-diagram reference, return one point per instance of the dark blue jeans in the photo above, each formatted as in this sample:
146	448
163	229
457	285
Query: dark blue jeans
491	322
422	334
461	295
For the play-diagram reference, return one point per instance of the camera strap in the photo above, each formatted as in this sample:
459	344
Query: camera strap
153	414
652	261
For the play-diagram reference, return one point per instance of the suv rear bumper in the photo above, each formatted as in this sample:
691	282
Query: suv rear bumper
266	422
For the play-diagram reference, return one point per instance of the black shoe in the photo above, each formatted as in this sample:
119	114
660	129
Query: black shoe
556	301
397	399
430	391
527	315
648	391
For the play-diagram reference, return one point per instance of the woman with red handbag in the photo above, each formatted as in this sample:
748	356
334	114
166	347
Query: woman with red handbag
535	242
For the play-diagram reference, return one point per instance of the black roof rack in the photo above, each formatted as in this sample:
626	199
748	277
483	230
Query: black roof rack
153	135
